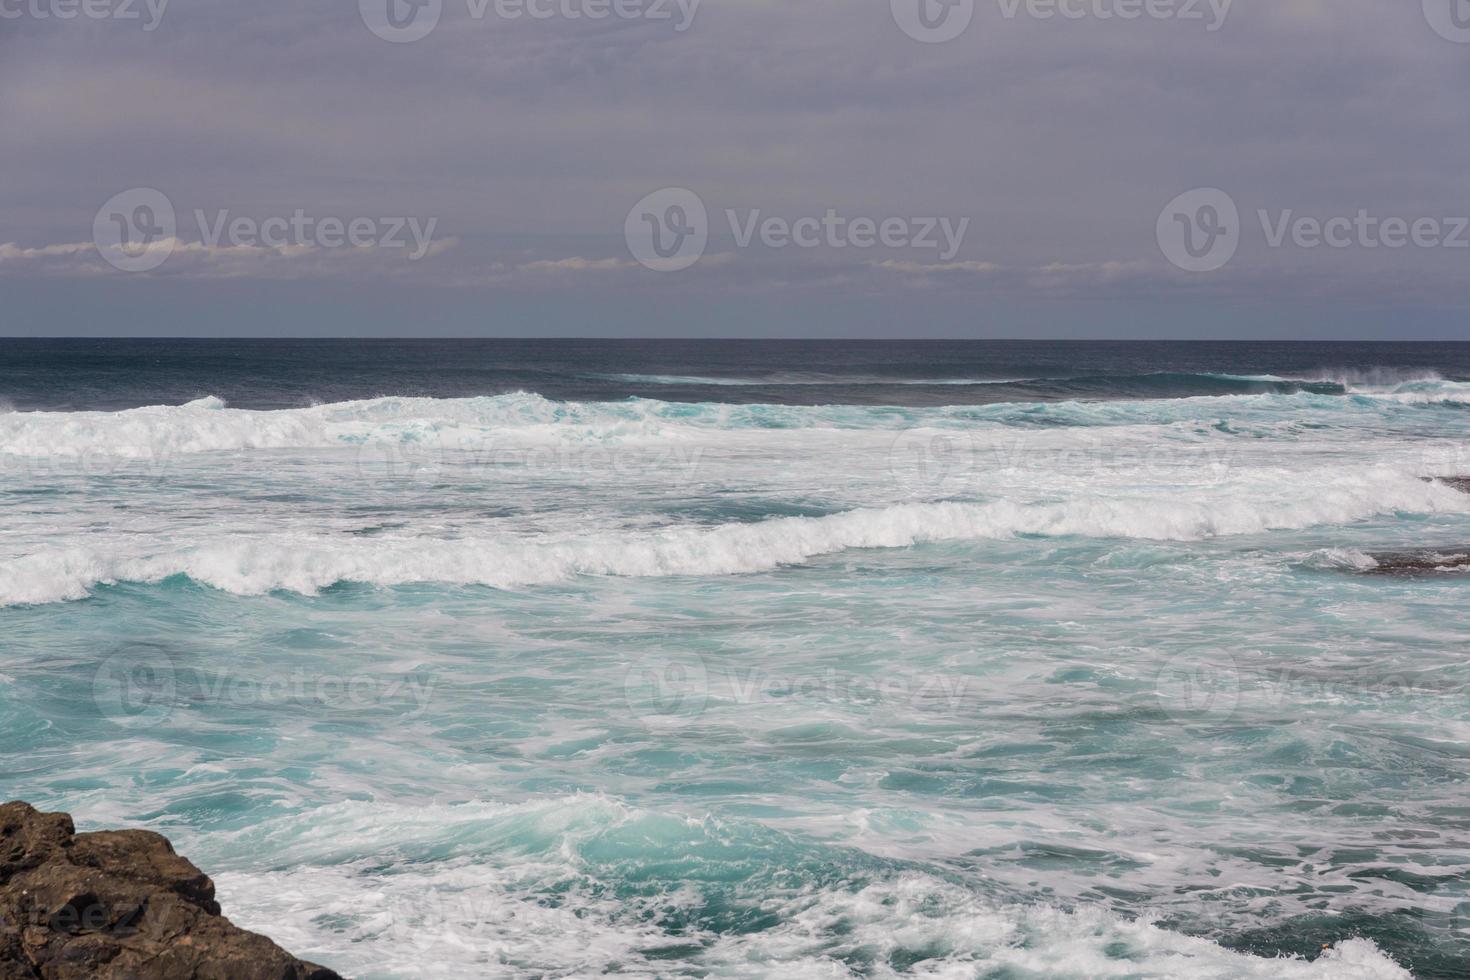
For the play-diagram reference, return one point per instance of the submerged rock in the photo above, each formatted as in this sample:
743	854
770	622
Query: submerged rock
1419	562
118	904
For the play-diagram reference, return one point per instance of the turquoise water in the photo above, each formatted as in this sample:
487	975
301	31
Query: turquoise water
513	685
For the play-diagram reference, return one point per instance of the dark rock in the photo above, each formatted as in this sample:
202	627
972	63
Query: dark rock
118	905
1419	562
1460	483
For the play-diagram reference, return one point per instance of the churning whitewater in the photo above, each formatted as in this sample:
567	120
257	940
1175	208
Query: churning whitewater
985	661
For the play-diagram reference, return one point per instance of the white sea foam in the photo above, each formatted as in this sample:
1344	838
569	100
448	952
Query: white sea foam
1383	377
253	564
1347	559
682	379
1418	393
1266	378
469	890
209	425
1405	386
1347	377
793	380
399	884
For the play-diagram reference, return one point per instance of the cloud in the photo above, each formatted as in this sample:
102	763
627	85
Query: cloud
1061	140
199	260
576	264
934	268
9	251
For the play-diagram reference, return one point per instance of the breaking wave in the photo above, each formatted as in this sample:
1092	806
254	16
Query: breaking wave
209	425
588	885
254	564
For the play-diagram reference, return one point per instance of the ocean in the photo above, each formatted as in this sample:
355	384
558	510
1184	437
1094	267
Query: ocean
759	659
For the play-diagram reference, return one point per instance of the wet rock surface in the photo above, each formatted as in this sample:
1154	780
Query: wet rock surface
1460	483
1420	562
118	904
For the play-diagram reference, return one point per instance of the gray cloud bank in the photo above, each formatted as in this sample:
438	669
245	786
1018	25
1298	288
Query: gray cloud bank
527	140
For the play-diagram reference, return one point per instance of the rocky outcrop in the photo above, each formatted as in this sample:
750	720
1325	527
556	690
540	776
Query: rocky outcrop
1419	562
118	905
1460	483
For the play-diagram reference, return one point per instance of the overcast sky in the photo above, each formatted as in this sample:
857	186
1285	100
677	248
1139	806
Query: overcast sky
1008	181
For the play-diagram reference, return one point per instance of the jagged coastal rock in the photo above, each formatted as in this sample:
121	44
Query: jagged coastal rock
118	905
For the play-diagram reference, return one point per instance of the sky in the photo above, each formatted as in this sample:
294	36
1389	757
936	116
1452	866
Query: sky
1277	169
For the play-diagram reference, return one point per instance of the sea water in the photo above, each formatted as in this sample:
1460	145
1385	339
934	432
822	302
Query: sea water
758	659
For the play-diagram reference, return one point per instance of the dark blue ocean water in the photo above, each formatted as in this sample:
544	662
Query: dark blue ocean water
264	374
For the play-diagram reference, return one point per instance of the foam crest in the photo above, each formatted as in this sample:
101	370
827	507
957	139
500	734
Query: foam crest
1419	393
797	380
209	425
254	564
586	885
1379	376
